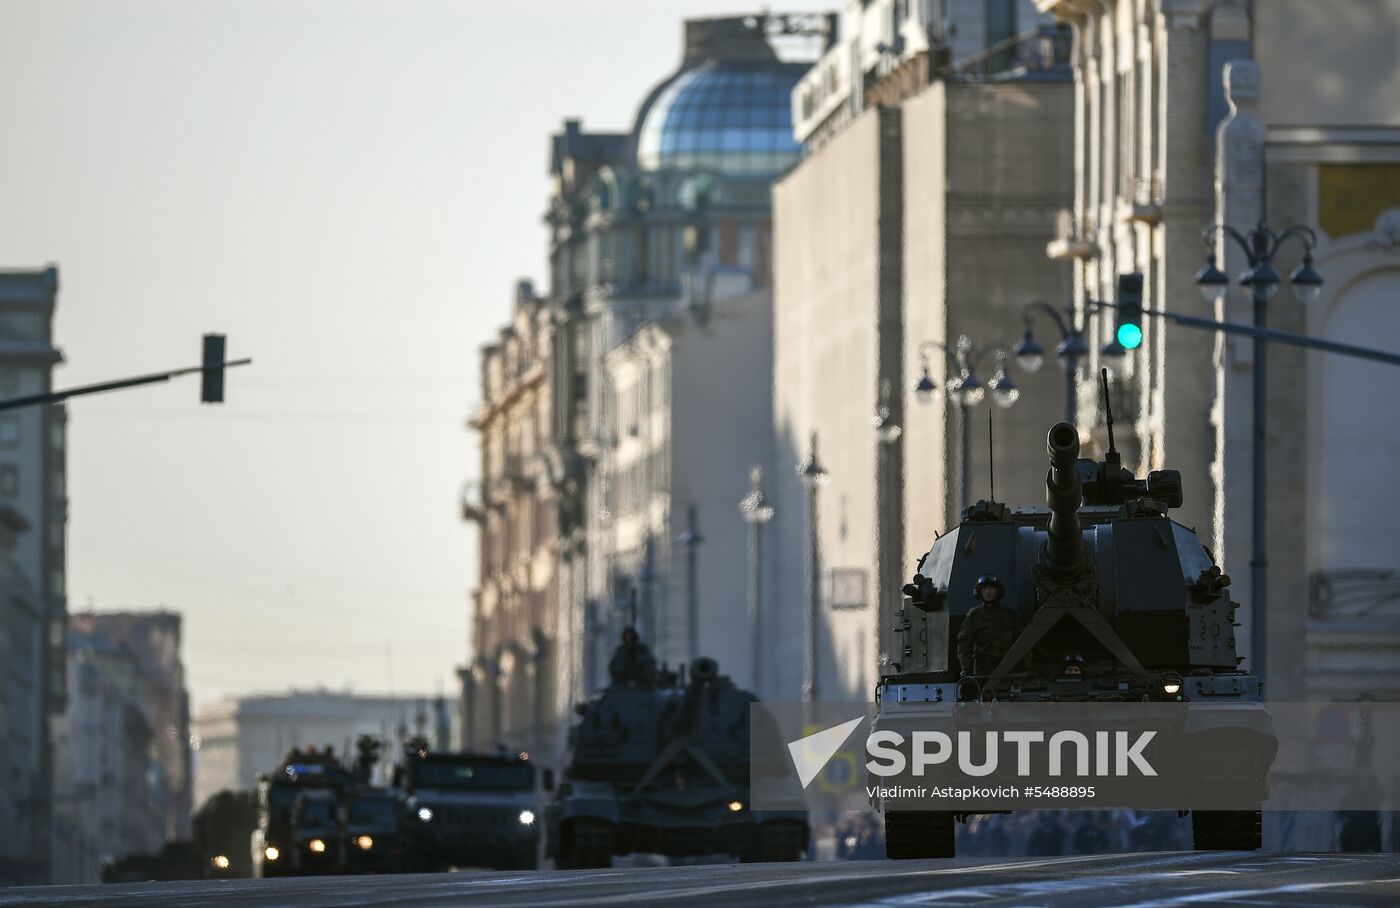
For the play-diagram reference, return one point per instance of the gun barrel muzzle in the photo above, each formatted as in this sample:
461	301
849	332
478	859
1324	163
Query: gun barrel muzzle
1063	493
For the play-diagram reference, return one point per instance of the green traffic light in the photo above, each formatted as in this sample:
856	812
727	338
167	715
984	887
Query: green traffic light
1130	336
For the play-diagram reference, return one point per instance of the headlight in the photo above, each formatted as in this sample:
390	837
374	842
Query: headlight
1171	685
271	853
425	814
317	845
527	817
736	806
220	861
365	842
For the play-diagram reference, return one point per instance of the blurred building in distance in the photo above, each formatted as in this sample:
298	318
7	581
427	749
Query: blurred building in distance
33	483
121	749
509	689
239	738
23	854
920	213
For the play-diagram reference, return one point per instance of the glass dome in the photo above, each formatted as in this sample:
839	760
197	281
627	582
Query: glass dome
734	118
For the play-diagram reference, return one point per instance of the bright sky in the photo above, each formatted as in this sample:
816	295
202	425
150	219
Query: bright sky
348	189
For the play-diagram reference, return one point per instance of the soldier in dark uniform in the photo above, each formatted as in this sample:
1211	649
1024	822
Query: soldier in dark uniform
632	662
988	631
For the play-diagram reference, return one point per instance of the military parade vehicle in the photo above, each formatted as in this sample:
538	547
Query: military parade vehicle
316	832
301	771
1112	601
660	764
222	826
374	840
469	809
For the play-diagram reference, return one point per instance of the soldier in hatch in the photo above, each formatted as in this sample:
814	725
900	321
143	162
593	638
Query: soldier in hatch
632	662
988	631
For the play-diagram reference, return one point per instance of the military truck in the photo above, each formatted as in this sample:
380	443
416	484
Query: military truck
660	764
374	837
317	832
222	826
469	809
1117	604
299	772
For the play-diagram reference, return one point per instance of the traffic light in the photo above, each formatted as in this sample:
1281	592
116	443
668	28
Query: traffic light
211	376
1129	310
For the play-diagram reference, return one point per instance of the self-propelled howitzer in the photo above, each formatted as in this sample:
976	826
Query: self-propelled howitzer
1115	602
662	765
1101	576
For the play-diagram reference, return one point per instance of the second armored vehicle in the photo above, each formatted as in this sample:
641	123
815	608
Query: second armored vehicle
660	766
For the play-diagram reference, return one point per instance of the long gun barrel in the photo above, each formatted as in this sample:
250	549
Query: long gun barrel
1064	546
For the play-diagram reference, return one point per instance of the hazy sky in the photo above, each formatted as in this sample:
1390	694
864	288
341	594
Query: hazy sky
348	189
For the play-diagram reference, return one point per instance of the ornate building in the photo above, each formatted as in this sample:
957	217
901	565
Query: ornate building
508	690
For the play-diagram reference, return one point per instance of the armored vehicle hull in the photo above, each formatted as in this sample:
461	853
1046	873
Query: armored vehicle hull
659	767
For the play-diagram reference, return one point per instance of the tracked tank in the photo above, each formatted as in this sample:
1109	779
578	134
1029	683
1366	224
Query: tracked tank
1116	604
659	764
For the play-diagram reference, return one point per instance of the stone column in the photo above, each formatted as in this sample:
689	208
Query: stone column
1179	438
1239	188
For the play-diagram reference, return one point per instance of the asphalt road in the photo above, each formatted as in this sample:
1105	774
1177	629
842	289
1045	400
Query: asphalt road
1138	881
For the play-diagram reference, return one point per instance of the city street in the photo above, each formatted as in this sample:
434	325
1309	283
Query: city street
1156	880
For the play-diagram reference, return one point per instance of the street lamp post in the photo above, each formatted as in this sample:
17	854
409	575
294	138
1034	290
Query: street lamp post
813	476
691	539
889	516
1070	350
1262	280
966	391
756	511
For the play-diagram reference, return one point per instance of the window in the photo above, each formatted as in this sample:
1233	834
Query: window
9	431
9	480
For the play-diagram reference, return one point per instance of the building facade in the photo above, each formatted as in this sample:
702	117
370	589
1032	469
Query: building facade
509	689
33	482
110	788
921	219
239	738
1167	144
22	640
693	414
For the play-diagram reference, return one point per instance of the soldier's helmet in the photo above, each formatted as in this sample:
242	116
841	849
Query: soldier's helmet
629	635
989	580
1074	665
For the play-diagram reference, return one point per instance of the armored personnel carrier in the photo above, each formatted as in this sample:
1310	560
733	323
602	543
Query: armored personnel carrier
469	809
1115	603
301	771
659	764
222	828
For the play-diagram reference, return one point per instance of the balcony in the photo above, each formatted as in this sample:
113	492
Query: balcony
1070	241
